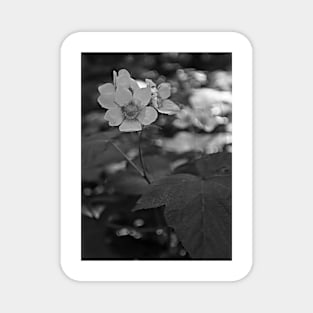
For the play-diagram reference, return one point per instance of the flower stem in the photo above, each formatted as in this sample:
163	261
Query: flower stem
128	159
145	176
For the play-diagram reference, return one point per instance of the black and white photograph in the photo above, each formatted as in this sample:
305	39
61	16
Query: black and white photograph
156	156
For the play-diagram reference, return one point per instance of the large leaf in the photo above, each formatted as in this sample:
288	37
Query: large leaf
209	166
197	207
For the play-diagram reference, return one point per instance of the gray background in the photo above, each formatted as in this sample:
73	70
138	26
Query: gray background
30	277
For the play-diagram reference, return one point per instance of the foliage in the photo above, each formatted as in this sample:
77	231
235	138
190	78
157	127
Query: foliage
197	205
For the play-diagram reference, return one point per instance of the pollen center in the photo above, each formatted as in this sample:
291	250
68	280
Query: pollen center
130	111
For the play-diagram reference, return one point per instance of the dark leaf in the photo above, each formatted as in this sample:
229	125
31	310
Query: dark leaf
211	165
198	208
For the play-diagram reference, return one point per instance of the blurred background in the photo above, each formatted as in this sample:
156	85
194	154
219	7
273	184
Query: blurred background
201	86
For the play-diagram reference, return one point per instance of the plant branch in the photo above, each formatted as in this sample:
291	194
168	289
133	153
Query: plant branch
141	160
128	159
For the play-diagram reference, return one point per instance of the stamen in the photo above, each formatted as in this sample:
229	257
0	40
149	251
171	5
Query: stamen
130	111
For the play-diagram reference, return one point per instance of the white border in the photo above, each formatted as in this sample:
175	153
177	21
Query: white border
71	50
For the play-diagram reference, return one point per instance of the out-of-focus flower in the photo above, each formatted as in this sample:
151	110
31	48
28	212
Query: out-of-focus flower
184	142
159	98
130	110
202	119
207	97
208	108
221	80
191	78
200	77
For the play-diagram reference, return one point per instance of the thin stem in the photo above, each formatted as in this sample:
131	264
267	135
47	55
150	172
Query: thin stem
156	212
128	159
141	160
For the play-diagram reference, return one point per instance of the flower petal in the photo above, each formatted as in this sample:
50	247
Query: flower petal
164	90
123	96
133	85
147	115
114	116
130	126
106	98
107	88
123	81
142	96
123	72
168	107
106	101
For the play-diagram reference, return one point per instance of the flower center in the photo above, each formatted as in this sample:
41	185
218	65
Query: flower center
130	111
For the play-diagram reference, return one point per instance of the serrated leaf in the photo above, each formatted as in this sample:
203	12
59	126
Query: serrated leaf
210	165
198	208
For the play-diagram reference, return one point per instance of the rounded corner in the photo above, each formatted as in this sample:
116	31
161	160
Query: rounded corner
246	272
67	273
243	38
69	39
